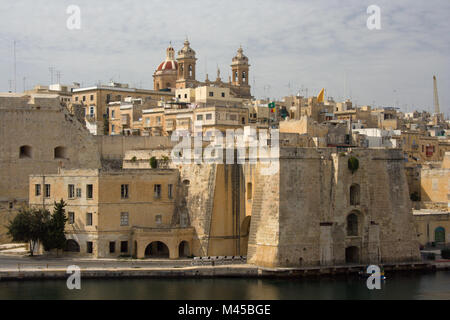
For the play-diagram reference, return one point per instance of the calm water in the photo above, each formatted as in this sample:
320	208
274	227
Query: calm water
398	286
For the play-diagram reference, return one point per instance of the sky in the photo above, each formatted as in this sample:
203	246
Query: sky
293	46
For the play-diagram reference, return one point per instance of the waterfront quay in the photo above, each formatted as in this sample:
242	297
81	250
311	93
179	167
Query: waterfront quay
23	267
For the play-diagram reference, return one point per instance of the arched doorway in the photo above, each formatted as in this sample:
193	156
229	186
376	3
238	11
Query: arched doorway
157	249
183	249
245	231
352	255
439	235
72	246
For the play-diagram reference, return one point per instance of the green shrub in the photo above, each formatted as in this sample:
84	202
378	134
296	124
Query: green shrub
445	253
353	164
134	159
153	163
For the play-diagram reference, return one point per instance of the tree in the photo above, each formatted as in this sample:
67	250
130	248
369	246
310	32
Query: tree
153	163
55	237
29	225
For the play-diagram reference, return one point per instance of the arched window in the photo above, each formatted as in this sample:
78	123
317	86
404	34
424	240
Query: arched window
354	194
60	153
235	76
25	152
244	76
72	246
439	235
190	71
352	225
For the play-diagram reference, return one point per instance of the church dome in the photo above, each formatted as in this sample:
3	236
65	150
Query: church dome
169	64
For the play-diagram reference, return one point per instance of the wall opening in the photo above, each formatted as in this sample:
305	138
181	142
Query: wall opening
183	249
60	153
245	232
249	191
157	249
354	195
439	235
352	225
72	246
25	152
352	255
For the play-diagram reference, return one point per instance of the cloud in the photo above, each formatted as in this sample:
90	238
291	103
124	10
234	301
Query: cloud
290	44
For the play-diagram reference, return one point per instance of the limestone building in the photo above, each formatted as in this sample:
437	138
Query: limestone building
114	213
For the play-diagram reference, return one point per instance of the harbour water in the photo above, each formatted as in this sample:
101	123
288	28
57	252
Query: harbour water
398	286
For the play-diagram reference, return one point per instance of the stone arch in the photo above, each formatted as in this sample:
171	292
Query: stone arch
25	152
355	194
352	254
60	152
72	246
184	249
439	235
352	224
157	249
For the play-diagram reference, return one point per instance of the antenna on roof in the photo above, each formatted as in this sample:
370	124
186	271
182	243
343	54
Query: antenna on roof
15	69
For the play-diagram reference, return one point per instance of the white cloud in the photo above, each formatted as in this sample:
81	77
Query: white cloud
288	42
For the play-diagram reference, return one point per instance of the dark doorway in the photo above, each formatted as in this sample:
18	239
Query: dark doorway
183	249
157	249
352	255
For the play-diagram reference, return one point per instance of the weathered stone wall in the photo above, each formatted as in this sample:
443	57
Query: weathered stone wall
299	215
42	124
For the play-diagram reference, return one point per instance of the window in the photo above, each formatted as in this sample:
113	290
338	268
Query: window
184	220
157	191
123	246
89	247
211	94
249	191
84	98
199	117
112	247
89	219
76	98
47	191
185	95
37	189
71	217
158	120
25	152
124	218
11	205
223	94
354	195
60	153
158	219
170	191
113	113
78	192
113	128
89	191
71	191
124	191
92	97
352	225
208	116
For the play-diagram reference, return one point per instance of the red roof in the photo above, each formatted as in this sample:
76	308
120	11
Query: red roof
168	65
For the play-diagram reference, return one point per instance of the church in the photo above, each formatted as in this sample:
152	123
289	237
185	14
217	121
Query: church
179	73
